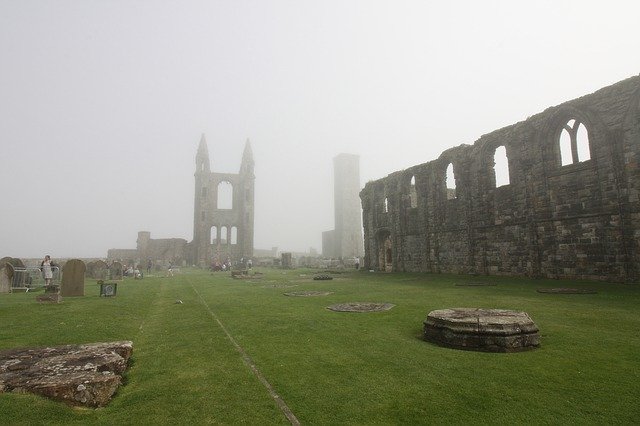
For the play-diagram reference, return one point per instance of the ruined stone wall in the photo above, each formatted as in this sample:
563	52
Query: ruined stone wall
571	208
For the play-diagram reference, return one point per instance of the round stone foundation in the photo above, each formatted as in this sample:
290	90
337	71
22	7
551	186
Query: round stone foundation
486	330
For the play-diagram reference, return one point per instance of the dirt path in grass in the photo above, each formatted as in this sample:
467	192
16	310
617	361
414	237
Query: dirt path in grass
249	363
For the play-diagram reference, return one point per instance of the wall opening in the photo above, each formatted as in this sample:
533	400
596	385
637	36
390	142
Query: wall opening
214	235
413	194
450	182
225	195
582	142
385	207
224	237
574	143
385	252
501	166
203	192
234	235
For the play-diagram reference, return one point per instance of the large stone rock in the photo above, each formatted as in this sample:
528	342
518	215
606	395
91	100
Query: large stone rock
489	330
80	375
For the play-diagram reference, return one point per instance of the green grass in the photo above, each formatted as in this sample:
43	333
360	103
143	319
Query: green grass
338	368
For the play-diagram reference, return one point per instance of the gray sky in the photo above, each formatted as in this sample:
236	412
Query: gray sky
102	103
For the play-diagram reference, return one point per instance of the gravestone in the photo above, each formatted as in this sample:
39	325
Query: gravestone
115	271
6	275
73	278
100	269
286	261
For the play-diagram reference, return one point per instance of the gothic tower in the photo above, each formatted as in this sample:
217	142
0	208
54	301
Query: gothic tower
223	210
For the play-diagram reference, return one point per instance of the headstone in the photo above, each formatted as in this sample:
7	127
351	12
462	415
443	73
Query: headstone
116	271
108	289
73	278
6	275
286	261
100	269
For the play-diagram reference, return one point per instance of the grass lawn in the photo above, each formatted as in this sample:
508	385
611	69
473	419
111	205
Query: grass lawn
337	368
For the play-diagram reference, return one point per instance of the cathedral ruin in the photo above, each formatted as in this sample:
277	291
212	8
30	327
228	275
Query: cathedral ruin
222	223
570	207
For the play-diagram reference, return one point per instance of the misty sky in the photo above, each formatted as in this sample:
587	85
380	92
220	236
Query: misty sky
102	103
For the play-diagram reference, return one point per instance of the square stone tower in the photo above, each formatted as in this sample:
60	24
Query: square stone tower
347	237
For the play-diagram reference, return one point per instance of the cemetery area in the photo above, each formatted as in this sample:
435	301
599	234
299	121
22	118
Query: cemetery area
333	367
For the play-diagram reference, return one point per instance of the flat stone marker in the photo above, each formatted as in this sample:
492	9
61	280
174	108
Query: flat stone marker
475	284
79	375
72	283
566	290
309	293
361	307
486	330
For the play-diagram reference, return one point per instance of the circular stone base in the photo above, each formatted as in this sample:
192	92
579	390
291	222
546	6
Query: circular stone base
487	330
565	290
308	293
361	307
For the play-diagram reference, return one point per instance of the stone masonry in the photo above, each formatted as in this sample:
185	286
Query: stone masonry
571	208
345	241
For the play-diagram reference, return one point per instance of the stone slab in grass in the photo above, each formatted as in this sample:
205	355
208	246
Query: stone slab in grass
566	290
475	284
279	285
485	330
361	307
79	375
309	293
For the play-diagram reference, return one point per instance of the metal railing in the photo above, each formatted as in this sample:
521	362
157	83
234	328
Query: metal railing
32	277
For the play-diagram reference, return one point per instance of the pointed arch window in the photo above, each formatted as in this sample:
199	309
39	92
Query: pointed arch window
413	194
501	166
450	182
225	196
214	235
574	143
224	236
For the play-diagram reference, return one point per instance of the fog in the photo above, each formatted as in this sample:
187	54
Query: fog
102	103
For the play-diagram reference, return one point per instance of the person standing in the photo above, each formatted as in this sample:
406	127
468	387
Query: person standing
47	272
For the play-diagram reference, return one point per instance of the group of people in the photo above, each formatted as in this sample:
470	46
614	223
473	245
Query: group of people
216	265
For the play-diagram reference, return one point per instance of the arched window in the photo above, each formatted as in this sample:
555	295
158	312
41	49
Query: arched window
413	195
385	207
501	166
450	182
203	192
224	236
234	235
574	143
225	195
214	235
